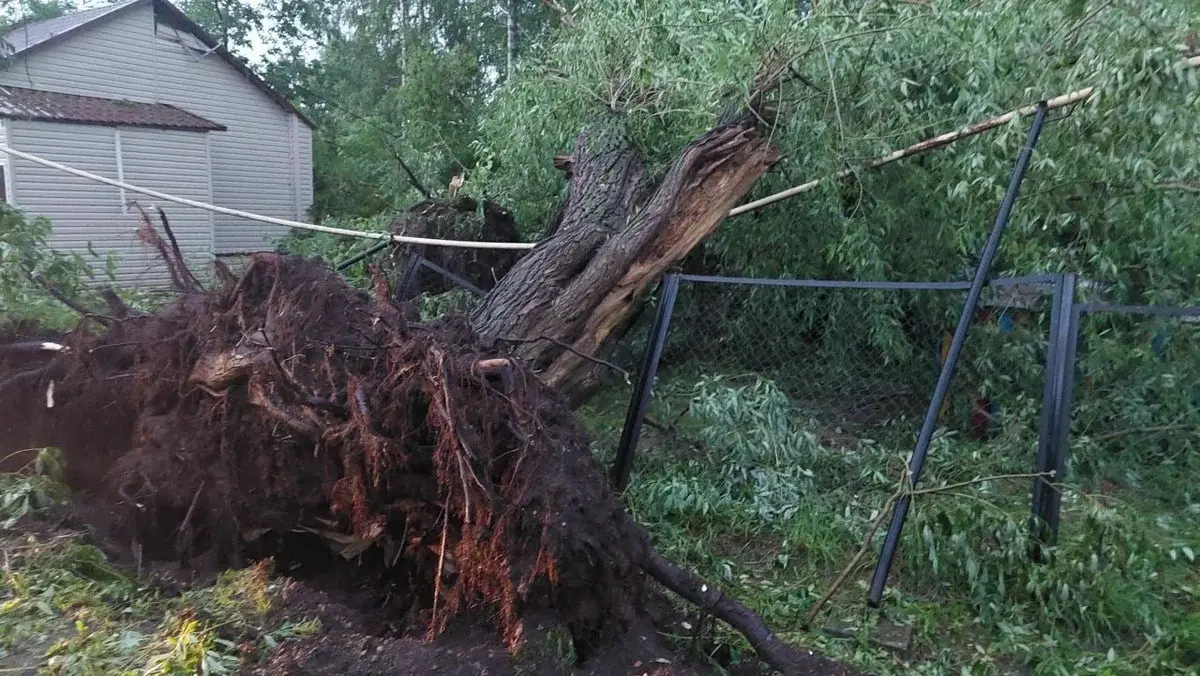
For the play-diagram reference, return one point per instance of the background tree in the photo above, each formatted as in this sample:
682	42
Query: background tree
233	22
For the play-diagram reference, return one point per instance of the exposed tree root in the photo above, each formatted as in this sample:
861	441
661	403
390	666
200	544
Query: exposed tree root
284	412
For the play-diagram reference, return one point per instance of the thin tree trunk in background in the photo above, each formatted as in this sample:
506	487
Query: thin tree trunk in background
403	42
513	30
581	286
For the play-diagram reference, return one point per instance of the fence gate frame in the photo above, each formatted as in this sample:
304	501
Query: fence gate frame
639	402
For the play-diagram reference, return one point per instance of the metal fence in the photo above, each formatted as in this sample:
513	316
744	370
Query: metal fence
1105	394
857	359
1108	395
1133	405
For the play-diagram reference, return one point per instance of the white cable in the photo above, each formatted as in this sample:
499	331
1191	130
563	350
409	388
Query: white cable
404	239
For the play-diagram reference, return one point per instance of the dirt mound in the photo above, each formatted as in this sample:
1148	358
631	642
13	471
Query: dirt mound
287	412
463	218
286	415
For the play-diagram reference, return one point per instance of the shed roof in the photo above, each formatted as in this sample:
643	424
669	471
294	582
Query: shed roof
35	35
33	104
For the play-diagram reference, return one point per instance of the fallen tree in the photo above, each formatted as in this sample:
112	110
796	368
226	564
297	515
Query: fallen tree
464	219
567	301
283	413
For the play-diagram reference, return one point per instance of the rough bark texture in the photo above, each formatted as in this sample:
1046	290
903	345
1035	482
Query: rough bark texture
285	415
580	287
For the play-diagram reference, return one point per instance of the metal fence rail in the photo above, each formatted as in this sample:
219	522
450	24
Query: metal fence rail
814	339
852	354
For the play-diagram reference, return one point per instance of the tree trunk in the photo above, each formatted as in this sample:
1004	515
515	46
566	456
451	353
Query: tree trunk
512	34
580	287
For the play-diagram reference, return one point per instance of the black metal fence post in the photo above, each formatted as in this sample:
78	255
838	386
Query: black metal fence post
1052	504
1061	308
403	286
640	401
917	461
363	255
1050	396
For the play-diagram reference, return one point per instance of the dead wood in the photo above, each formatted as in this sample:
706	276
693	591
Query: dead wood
781	656
181	276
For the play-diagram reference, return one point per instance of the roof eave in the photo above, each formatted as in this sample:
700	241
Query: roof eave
98	123
214	44
196	29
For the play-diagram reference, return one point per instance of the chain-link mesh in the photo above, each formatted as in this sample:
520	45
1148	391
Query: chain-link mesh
1136	419
862	363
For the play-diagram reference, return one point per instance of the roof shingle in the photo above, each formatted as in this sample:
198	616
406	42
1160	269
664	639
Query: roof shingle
34	104
35	32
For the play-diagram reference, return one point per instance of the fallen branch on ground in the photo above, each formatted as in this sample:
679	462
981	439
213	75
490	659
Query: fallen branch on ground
902	488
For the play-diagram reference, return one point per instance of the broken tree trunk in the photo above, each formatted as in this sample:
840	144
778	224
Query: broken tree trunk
569	299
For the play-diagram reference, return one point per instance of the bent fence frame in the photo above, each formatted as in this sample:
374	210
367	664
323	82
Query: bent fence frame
640	401
1050	461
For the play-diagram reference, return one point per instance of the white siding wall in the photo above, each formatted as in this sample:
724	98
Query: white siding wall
252	161
174	162
262	164
86	212
113	59
5	163
304	172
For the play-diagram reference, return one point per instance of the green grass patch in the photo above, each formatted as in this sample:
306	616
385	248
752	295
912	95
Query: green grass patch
65	609
741	491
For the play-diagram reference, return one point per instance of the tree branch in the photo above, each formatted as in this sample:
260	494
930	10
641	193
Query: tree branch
779	655
1141	430
69	302
568	348
884	511
919	148
412	178
980	480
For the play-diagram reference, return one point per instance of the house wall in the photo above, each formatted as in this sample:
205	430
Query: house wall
262	164
84	212
5	164
112	59
254	167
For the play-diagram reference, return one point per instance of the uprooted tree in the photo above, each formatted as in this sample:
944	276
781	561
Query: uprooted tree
283	411
564	304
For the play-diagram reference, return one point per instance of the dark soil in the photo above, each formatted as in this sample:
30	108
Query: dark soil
460	219
286	415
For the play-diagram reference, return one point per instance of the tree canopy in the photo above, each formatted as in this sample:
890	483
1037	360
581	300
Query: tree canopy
422	86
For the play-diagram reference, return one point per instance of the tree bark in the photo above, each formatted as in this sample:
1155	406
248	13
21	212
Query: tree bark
580	287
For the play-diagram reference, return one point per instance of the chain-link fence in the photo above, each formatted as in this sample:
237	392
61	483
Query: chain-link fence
1135	423
859	360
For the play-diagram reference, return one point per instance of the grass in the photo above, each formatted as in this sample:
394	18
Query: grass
743	493
65	609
